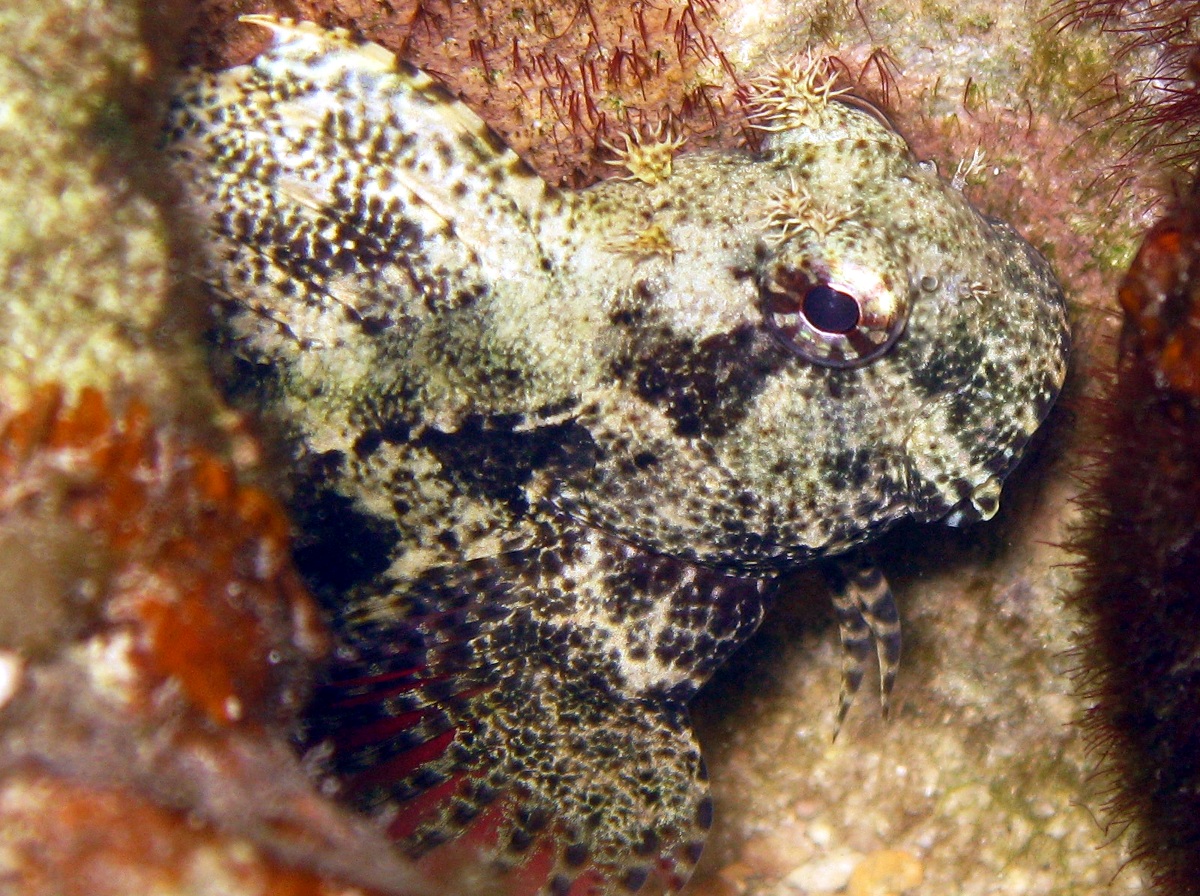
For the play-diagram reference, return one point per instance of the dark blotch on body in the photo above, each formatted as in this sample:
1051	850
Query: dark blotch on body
342	546
946	371
488	457
705	387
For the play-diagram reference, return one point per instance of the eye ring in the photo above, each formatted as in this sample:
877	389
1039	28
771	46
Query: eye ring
867	108
841	321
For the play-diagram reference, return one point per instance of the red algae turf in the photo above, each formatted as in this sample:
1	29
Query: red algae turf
199	570
165	650
77	840
1140	590
557	80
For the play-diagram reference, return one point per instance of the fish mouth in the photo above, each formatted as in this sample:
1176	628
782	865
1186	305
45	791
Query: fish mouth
943	481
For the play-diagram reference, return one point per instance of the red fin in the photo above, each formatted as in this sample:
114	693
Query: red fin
492	720
544	788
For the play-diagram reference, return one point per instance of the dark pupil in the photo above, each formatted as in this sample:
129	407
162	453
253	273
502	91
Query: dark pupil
830	310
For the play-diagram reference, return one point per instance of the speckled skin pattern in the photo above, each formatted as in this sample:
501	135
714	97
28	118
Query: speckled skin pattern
552	449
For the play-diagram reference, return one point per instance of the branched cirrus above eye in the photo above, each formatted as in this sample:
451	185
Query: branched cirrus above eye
836	321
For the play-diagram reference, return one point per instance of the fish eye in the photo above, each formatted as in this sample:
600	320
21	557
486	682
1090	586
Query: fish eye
830	310
845	320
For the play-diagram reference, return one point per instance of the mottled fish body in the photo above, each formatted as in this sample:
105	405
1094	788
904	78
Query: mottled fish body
552	449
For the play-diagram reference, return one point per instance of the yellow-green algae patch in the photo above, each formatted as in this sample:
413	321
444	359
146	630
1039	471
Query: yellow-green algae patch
83	254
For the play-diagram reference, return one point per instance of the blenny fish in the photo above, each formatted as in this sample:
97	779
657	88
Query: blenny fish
552	451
